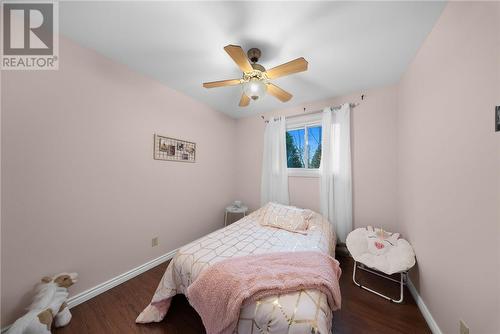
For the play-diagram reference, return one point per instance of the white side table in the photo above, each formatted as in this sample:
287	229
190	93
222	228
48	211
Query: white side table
234	209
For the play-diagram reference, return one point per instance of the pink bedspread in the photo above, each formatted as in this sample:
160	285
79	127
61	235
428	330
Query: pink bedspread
220	290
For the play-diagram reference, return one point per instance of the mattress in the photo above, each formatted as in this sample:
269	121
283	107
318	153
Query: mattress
306	311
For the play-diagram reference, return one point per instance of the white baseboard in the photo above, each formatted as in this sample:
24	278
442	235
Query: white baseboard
103	287
423	308
122	278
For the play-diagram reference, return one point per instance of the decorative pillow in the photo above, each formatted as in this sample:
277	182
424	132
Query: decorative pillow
285	217
379	241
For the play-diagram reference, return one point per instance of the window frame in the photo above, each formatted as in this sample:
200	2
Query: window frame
304	122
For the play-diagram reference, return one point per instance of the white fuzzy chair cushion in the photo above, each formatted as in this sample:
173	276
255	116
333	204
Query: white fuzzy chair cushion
389	255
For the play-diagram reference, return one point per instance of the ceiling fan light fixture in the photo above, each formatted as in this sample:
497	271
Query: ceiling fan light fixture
255	88
256	80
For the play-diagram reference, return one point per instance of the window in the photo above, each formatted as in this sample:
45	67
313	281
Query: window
303	146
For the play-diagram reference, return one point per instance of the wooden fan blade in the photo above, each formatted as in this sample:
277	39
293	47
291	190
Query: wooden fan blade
294	66
239	57
244	101
222	83
278	93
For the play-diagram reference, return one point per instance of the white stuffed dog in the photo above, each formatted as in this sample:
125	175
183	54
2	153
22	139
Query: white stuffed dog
49	306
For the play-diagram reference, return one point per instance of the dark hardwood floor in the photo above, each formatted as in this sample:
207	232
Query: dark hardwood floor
114	311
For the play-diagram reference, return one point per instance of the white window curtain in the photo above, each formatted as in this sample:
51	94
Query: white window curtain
274	185
335	170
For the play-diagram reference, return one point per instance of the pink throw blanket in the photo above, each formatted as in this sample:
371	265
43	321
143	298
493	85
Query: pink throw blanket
220	290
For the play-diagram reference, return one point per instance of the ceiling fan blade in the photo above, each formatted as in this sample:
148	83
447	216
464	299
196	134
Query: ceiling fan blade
222	83
239	57
294	66
278	93
244	101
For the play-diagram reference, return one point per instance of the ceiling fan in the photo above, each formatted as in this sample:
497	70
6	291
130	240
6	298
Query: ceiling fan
256	79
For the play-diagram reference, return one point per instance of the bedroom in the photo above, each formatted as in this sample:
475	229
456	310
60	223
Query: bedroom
114	156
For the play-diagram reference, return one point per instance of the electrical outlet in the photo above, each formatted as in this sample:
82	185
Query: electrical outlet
463	327
154	242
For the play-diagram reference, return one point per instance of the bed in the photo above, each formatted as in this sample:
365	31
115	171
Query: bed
306	311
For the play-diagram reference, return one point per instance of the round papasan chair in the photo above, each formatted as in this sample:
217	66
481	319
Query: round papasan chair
380	253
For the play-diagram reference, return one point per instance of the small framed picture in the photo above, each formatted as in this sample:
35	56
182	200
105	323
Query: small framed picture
163	145
497	118
171	150
180	146
185	156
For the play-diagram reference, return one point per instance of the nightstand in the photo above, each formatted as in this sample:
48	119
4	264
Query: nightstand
235	209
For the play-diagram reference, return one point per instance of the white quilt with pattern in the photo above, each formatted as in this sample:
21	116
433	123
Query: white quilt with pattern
302	312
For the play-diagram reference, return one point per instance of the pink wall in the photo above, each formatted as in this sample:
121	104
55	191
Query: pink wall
80	188
373	150
449	163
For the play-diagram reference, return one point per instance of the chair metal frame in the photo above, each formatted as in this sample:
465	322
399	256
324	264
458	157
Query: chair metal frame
402	281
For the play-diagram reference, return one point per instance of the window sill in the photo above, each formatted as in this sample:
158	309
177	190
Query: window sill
302	172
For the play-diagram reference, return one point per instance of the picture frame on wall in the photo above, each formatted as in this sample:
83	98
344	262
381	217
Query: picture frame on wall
172	149
163	145
497	118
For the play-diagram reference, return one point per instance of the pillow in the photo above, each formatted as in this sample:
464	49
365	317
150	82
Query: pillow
380	241
285	217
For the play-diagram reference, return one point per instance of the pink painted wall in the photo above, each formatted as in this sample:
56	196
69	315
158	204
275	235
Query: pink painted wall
449	166
80	189
373	152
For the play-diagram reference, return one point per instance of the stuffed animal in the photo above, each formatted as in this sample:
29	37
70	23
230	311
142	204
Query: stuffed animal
49	306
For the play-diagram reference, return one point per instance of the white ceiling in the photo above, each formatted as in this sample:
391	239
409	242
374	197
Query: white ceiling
350	46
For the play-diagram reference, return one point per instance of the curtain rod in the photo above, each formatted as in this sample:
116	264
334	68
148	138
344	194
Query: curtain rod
352	105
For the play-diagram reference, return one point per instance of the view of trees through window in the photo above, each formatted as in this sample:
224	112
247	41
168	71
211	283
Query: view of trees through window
303	147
